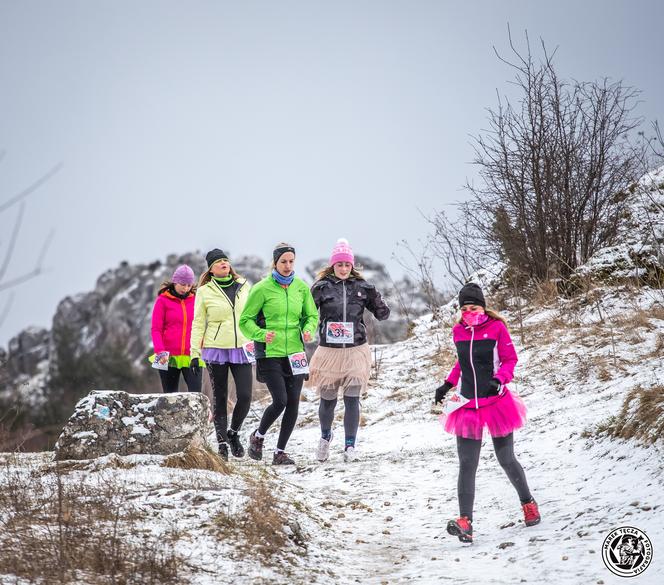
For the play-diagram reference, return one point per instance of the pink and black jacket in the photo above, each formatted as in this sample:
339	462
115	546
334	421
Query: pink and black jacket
483	352
171	323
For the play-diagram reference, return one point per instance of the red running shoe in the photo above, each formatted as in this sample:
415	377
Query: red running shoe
531	515
461	528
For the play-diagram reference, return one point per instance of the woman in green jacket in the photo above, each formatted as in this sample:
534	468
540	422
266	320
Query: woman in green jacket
217	339
280	313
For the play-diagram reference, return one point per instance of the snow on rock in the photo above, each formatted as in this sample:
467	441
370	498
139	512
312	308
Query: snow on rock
117	422
639	251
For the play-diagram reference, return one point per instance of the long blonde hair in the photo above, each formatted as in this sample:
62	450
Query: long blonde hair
329	270
491	313
207	276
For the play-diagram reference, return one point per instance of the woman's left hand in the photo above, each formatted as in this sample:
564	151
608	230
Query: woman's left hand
307	336
494	387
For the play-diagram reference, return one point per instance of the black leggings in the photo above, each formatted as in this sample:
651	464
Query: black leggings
285	391
469	457
351	415
242	374
170	379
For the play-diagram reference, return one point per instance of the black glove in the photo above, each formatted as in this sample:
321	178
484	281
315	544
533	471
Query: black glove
441	391
494	386
195	367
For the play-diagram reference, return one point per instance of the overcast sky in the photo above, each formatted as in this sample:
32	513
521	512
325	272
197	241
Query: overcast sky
184	126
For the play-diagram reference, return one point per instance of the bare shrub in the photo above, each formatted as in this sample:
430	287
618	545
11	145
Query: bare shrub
554	167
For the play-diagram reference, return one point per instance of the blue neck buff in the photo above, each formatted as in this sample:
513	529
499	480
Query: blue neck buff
286	280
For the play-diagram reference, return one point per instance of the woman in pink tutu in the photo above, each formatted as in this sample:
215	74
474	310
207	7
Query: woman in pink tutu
485	365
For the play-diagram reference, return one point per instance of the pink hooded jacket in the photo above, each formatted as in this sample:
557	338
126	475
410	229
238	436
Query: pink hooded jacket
483	352
171	323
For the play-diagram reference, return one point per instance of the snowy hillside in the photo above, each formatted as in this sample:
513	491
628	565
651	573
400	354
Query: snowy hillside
382	519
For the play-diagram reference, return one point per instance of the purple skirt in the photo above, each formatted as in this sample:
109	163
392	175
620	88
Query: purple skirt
500	416
214	355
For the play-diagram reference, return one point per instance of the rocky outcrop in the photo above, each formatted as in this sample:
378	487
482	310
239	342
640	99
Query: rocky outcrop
107	422
26	350
101	338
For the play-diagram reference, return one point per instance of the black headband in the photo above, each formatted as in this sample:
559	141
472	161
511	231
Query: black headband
279	252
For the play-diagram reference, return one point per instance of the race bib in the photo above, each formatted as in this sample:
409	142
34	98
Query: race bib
156	365
250	352
339	332
454	402
299	363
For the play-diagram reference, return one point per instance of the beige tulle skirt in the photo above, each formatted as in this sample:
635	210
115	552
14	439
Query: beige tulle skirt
340	371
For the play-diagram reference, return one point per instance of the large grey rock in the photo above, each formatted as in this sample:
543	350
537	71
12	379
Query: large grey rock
107	422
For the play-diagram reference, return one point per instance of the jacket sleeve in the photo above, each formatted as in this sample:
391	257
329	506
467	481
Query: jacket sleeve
316	291
248	324
309	312
157	330
198	325
507	357
376	304
454	375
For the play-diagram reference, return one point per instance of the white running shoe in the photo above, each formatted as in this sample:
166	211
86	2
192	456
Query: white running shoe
323	451
350	455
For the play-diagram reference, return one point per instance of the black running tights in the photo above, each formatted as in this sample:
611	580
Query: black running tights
242	374
469	457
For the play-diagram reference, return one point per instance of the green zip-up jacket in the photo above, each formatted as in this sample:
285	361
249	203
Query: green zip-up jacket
216	319
287	311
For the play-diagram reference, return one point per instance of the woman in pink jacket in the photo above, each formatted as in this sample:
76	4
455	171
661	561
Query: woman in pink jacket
172	316
485	365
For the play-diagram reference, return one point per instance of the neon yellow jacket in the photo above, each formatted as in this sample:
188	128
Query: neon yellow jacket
216	321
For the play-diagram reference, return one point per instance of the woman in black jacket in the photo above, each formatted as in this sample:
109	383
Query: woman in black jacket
341	363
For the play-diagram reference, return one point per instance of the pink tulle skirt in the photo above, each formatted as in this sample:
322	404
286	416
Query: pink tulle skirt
500	415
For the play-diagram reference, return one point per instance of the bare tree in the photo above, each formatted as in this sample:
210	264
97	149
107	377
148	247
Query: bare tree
554	167
459	250
420	266
18	200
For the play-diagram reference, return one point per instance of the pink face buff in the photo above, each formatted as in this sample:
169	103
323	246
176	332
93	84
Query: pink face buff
473	319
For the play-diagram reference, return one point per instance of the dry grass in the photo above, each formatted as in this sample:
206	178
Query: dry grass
638	319
545	293
262	525
658	350
641	416
198	458
54	530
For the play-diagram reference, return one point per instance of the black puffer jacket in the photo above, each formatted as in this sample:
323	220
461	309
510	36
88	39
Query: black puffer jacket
345	300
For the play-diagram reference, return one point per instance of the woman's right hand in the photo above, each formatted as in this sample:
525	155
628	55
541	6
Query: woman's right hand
269	336
441	391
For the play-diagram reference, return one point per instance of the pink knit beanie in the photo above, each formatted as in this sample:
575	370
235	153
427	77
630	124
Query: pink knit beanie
183	275
342	252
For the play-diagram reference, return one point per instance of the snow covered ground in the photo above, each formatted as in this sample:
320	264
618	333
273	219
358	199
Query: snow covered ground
382	518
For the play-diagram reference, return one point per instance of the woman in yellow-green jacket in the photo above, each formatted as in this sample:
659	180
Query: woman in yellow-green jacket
279	315
217	340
